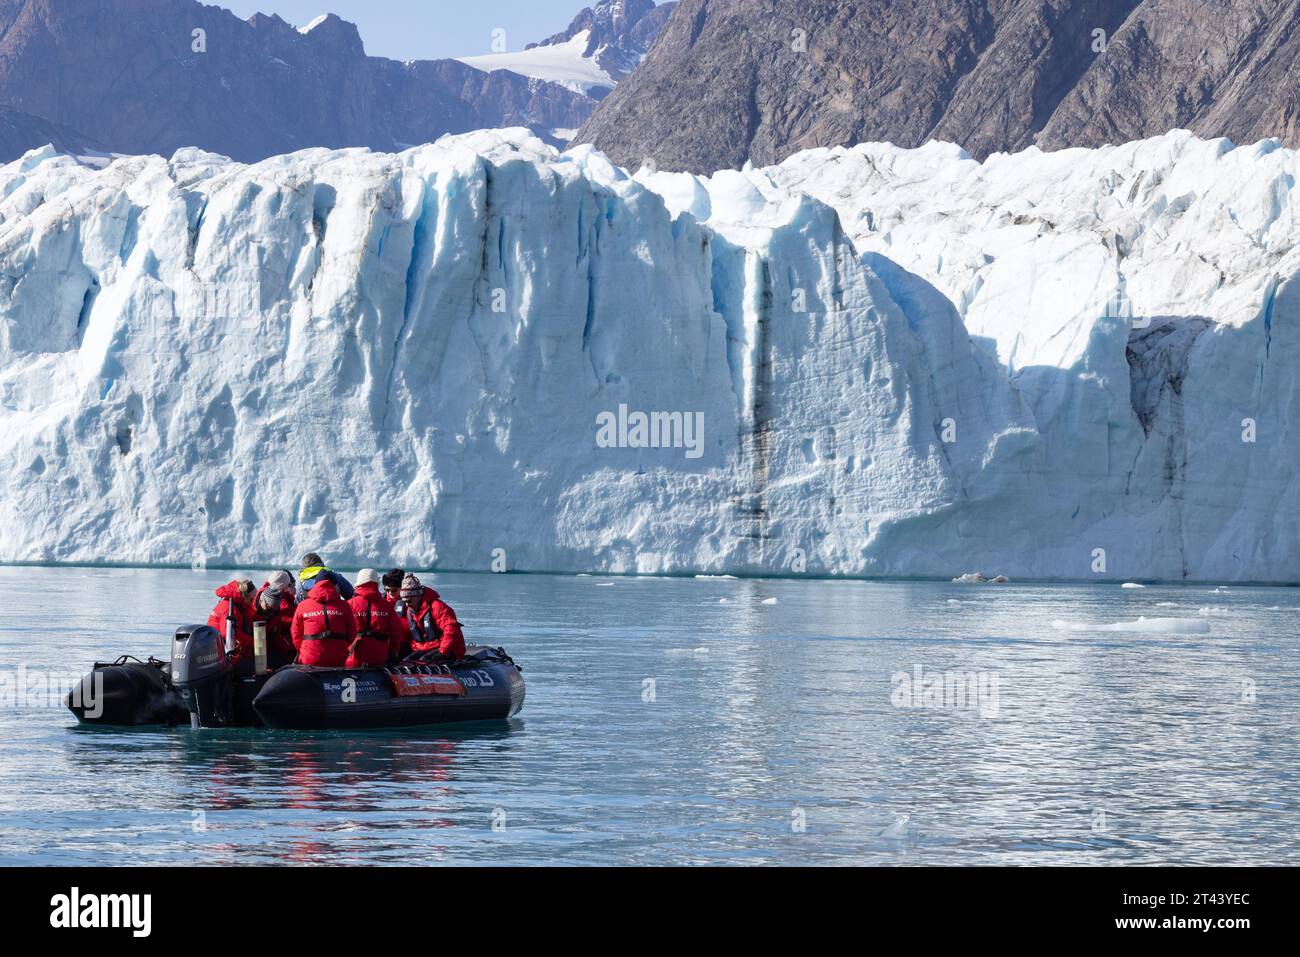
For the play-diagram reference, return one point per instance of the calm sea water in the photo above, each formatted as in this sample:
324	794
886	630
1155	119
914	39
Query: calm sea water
674	721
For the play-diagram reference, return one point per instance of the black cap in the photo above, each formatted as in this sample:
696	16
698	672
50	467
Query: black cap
393	578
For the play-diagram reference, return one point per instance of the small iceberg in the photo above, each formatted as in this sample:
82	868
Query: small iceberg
1156	626
975	578
898	828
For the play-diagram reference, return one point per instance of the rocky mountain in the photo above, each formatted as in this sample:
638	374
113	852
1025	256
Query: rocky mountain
767	78
20	132
152	76
602	45
619	32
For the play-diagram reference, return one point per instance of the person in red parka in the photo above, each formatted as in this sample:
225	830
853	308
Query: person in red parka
323	627
236	602
393	585
392	582
274	604
433	623
380	631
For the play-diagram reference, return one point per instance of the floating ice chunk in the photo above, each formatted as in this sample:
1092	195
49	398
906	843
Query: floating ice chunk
1132	585
898	828
1164	626
769	601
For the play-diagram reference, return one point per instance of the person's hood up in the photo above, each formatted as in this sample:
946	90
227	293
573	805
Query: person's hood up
368	589
230	590
311	571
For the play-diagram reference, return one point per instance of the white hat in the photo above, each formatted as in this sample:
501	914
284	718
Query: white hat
367	575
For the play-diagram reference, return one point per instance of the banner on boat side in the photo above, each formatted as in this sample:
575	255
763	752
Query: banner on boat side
405	685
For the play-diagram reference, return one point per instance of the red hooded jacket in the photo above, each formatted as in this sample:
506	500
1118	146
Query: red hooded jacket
279	624
435	626
375	614
231	601
323	627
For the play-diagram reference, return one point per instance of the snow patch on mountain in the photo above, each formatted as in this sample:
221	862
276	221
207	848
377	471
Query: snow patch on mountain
564	63
601	45
905	362
315	24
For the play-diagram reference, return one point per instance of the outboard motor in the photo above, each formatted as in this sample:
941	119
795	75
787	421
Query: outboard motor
202	673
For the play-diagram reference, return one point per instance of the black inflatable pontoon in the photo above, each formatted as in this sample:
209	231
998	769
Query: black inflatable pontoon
203	687
128	691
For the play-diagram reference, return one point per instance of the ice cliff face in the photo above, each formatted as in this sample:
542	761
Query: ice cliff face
904	362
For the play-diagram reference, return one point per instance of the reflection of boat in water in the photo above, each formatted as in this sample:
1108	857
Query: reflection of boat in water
243	795
202	686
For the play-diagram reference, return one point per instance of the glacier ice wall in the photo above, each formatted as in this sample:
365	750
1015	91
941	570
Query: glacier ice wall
905	362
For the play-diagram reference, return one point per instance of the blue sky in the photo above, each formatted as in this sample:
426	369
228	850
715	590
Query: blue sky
428	29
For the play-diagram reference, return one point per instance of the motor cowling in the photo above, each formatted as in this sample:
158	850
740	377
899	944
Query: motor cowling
202	673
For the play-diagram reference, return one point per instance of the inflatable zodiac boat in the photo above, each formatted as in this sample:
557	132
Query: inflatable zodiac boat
201	686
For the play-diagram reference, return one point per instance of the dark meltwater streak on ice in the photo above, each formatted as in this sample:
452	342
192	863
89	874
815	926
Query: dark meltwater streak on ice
1106	747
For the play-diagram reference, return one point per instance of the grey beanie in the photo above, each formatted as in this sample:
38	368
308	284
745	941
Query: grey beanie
270	598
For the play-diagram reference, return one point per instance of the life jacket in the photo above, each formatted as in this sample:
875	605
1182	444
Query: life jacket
375	631
419	617
434	626
327	632
323	627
